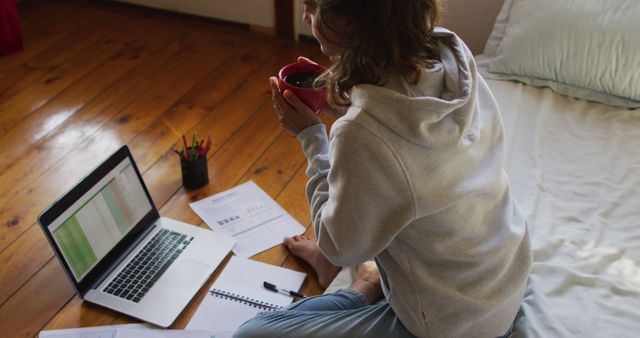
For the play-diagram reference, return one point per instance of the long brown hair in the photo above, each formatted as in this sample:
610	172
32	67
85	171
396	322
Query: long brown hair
386	35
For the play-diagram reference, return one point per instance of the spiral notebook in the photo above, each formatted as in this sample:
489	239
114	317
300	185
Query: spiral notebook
238	294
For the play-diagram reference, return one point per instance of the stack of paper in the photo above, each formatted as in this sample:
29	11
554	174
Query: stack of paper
250	215
131	331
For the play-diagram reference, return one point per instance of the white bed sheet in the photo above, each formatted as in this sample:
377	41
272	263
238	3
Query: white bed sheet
575	170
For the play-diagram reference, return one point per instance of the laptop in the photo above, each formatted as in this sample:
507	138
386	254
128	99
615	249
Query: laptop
119	253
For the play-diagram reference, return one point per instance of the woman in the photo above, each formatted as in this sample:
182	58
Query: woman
411	176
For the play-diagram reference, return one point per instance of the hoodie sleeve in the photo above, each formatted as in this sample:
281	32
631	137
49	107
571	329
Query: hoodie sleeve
358	192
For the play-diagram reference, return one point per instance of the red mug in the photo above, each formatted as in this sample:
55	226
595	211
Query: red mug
299	79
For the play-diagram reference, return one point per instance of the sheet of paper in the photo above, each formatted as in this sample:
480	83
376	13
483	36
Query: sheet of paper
211	316
243	278
131	331
89	332
147	333
250	215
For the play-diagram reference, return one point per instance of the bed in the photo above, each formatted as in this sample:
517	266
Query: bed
575	170
566	76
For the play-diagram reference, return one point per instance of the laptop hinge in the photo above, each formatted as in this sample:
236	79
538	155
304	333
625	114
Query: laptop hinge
123	256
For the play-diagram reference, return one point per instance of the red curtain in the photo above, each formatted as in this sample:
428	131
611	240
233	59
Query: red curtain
10	33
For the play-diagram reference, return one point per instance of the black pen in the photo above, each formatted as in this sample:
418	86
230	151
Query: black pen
275	288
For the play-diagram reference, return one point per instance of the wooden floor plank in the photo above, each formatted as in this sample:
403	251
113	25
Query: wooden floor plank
278	164
144	78
78	313
21	260
226	166
44	28
91	117
244	57
273	172
33	306
272	177
220	124
29	288
63	168
294	199
280	172
50	41
56	111
52	82
192	111
23	209
254	131
81	25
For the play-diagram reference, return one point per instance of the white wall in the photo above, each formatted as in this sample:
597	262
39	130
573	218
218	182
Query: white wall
254	12
299	27
472	20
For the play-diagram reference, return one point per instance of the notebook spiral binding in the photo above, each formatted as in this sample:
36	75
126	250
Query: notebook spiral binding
245	300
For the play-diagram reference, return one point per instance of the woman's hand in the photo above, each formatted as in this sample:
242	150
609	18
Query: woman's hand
294	115
302	59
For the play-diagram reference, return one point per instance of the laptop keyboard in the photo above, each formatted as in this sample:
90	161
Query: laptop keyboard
139	275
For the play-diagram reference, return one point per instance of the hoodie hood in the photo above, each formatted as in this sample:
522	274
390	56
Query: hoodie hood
437	112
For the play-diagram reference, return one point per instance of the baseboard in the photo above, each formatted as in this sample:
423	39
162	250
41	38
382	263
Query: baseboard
194	17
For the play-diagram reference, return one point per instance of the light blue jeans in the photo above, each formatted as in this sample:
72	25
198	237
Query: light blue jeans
341	314
345	313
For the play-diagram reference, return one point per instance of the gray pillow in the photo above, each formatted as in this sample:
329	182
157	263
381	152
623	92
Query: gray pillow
588	49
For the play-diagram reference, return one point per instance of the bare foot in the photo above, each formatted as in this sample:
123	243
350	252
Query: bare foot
307	249
367	281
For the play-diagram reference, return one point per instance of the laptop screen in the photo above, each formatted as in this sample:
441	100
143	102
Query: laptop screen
100	218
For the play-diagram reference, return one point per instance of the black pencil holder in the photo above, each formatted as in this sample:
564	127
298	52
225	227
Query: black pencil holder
195	174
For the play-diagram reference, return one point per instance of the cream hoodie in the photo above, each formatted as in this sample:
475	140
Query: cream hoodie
413	176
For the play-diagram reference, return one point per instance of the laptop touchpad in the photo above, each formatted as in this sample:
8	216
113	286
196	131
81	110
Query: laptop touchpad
188	274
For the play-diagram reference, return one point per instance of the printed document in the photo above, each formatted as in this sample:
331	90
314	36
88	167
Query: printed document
109	331
250	215
131	331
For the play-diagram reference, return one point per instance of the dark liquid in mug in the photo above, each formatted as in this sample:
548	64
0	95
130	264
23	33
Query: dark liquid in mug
303	79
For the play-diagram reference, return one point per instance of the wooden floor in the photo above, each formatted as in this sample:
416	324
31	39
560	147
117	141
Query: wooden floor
94	76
